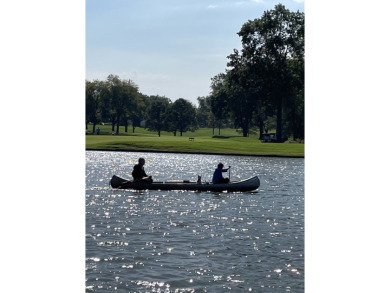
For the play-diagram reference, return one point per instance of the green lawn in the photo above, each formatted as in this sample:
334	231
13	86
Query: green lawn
229	142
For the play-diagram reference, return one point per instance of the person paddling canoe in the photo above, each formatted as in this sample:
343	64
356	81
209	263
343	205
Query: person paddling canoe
217	177
139	172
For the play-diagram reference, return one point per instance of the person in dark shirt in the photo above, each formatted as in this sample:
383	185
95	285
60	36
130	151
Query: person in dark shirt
217	177
139	172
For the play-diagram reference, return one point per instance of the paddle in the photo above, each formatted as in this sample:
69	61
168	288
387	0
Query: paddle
229	173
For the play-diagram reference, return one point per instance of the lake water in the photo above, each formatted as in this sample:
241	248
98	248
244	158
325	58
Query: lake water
175	241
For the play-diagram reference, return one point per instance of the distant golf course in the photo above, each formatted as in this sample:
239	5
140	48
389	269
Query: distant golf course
201	141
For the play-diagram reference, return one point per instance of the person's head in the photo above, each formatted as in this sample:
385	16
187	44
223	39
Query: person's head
141	161
220	165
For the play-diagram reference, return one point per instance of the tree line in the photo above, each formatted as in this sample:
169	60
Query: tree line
119	102
262	88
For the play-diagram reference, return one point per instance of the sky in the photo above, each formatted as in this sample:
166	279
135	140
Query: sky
169	48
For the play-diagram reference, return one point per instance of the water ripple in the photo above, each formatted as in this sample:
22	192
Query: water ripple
168	241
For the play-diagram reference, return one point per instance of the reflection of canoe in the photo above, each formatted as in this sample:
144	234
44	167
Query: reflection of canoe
245	185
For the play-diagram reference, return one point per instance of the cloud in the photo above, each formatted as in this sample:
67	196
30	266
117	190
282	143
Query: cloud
212	6
258	1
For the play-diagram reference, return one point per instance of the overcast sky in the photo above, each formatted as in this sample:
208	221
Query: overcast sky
170	48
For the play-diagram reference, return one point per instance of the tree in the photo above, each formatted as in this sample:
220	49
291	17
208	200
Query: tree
181	117
242	94
269	45
94	92
219	99
136	107
157	114
122	99
136	118
203	111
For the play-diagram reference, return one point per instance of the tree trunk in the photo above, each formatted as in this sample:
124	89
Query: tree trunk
245	131
279	123
261	128
117	125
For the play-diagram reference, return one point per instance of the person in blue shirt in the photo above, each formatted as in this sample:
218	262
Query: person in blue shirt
217	177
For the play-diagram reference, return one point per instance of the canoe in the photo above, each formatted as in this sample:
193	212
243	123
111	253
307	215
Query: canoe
244	185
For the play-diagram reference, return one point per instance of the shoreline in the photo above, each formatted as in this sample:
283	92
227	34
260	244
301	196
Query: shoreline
195	153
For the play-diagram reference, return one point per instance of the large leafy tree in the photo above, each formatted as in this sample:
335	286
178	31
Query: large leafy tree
243	96
203	111
136	106
219	99
157	112
122	100
273	46
181	117
90	113
108	111
94	93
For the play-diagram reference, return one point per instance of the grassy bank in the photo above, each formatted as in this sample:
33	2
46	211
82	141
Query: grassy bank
229	142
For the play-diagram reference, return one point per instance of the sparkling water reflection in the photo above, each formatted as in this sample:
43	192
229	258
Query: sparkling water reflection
179	241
